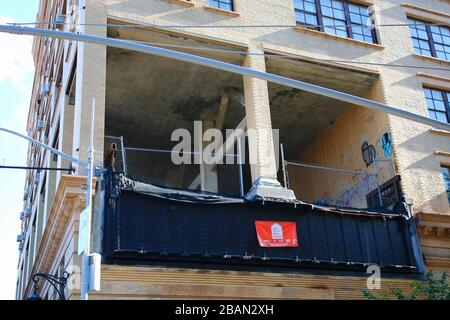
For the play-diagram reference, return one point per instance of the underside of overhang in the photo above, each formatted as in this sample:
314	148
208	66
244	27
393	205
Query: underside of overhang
300	115
148	97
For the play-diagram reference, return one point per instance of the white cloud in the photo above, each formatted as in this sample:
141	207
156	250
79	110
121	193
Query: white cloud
16	61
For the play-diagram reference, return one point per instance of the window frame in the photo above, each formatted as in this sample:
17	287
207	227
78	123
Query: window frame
430	40
447	167
232	4
349	24
446	100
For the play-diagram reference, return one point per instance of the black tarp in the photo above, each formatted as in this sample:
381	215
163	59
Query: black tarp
149	223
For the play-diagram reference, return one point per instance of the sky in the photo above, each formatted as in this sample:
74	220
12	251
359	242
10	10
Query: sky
16	80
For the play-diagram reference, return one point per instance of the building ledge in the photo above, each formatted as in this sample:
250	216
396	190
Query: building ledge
434	217
433	81
185	3
182	283
423	10
436	225
437	262
442	153
439	132
69	200
337	38
221	11
431	59
434	232
181	33
275	50
433	77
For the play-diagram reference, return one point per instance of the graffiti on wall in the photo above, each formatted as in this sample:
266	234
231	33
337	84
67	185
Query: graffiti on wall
386	144
357	193
369	153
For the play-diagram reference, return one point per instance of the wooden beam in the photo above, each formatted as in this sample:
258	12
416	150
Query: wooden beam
223	107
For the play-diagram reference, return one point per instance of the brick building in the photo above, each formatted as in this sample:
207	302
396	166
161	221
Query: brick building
347	164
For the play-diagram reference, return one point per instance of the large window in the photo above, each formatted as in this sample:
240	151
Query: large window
338	17
438	104
430	40
222	4
446	173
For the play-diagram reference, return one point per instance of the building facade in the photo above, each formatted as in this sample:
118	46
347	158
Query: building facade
350	164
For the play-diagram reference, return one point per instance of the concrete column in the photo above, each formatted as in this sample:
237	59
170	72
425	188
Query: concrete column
50	190
258	119
65	144
259	128
208	173
90	83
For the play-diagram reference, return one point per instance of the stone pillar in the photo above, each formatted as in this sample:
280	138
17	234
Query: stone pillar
65	144
90	83
208	173
259	129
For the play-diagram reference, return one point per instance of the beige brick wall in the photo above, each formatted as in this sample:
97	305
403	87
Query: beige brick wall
413	144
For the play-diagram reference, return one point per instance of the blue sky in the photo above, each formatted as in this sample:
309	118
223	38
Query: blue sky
16	79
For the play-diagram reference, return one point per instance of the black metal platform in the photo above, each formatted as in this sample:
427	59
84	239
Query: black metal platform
166	225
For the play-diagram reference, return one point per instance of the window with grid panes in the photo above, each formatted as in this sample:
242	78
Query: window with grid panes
446	173
222	4
438	104
429	39
337	17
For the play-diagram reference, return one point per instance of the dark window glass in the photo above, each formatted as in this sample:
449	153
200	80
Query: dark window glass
306	12
441	41
360	18
438	104
334	17
337	17
430	40
222	4
446	173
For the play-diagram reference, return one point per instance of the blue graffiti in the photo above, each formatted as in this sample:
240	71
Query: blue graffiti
386	143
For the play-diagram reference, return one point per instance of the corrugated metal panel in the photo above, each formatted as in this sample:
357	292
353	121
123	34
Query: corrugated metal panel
145	227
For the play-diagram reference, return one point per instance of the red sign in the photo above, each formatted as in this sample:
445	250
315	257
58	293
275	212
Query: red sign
276	234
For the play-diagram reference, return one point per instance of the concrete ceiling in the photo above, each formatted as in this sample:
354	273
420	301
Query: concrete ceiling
300	115
147	97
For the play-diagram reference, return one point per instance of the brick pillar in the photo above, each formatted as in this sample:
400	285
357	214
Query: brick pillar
90	83
259	128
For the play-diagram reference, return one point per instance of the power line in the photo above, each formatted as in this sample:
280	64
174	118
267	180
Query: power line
119	25
286	57
272	56
70	170
224	66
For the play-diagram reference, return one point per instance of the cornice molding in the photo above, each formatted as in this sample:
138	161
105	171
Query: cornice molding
434	233
69	200
422	10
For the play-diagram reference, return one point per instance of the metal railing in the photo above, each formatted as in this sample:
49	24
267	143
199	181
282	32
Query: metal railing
155	166
336	186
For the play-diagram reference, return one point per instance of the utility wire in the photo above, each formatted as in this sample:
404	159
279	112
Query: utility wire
119	25
284	57
272	56
223	66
